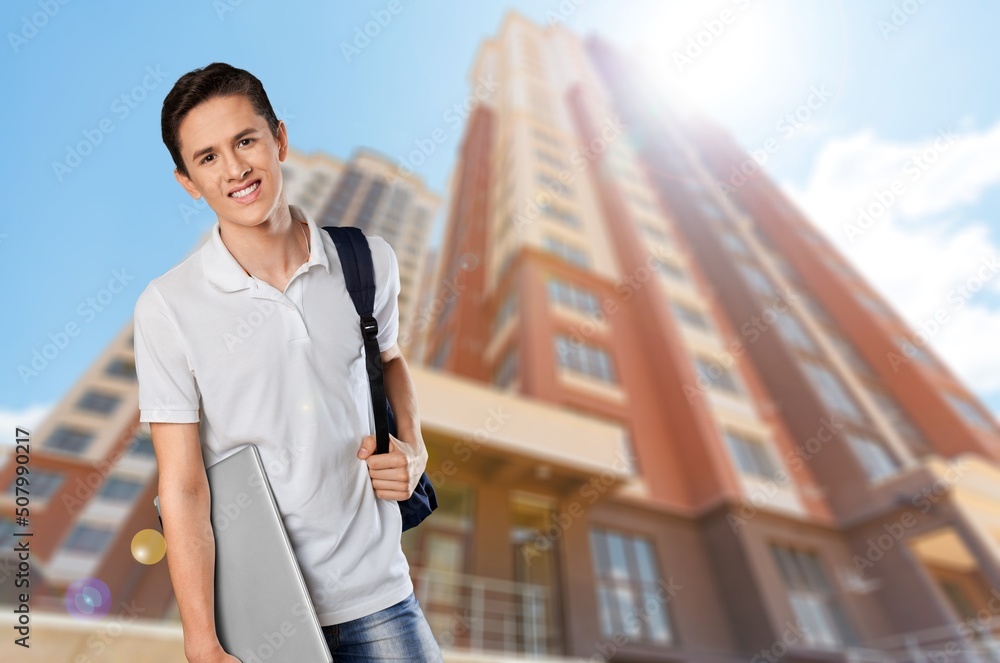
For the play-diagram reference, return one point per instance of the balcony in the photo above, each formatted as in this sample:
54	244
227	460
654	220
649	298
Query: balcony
476	618
958	643
516	435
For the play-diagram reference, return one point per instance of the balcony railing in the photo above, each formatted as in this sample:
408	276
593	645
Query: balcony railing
954	644
481	614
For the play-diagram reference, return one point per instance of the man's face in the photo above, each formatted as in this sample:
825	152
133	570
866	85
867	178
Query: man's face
228	147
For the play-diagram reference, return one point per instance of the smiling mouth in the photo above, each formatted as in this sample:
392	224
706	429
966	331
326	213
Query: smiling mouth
243	193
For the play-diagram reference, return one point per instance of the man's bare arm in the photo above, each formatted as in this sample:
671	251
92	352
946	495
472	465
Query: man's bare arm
402	395
185	504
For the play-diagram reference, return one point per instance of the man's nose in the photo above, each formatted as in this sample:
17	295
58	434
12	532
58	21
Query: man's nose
237	167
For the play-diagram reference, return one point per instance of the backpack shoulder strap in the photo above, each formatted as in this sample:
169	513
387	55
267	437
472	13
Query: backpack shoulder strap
359	276
356	261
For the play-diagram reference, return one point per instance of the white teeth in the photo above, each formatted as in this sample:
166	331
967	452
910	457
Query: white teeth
245	192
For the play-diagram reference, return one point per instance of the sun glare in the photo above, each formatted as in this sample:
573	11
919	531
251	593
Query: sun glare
712	55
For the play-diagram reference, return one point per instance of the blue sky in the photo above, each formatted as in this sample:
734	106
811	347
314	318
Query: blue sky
65	235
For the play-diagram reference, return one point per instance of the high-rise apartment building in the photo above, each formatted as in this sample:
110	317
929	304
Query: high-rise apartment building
375	194
818	484
666	420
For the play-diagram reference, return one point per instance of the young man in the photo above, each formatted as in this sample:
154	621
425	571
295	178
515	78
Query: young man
254	339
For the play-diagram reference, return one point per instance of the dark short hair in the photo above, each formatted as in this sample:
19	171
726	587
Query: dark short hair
199	85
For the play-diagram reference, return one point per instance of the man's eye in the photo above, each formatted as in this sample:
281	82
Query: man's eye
206	158
247	140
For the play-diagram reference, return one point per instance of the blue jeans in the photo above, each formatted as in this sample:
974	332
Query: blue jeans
397	633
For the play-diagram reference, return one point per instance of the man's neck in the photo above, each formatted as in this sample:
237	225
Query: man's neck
272	250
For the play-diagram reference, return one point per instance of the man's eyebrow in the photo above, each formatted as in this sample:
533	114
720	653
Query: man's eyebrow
211	148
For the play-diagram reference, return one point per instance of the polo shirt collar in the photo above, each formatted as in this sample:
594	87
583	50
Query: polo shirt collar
226	274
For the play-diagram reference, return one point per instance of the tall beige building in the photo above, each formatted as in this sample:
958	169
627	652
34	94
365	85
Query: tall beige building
373	193
661	421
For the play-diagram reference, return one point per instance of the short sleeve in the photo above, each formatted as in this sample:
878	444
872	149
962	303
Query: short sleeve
386	292
168	391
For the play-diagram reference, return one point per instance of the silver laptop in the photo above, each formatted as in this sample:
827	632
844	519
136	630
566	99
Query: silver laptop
263	610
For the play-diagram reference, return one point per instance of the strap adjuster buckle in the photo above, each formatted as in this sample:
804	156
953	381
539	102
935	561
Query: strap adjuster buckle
369	325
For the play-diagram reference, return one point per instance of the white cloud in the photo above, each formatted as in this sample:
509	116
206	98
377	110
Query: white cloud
926	245
28	419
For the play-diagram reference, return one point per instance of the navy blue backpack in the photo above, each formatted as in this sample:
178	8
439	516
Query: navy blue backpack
359	275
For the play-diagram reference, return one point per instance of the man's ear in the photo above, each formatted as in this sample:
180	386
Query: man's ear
188	185
282	140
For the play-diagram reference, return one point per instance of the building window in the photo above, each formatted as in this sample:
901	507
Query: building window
508	258
673	270
123	368
341	199
97	401
693	185
506	370
88	538
786	270
689	315
551	159
831	390
839	267
6	533
142	445
41	484
566	252
752	455
763	238
75	440
648	206
655	234
442	354
969	412
715	375
816	309
506	310
572	296
793	332
449	306
811	236
888	406
560	214
735	244
546	137
874	457
554	186
959	599
628	581
441	548
116	488
757	280
874	305
585	359
709	210
910	350
812	598
851	356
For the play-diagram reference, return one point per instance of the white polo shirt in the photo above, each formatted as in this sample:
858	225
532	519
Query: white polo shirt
285	371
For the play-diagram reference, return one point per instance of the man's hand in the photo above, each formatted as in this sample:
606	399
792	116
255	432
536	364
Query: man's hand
395	474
